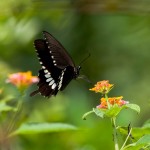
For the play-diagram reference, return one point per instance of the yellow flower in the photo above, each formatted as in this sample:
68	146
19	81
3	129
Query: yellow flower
112	101
22	79
102	86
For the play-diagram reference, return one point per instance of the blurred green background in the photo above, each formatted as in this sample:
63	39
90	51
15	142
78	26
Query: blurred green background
116	34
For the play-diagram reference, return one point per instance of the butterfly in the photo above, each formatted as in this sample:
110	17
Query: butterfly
57	66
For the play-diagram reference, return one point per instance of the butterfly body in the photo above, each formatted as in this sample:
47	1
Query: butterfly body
57	67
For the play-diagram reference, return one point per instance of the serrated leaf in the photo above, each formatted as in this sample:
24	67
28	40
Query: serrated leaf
36	128
133	107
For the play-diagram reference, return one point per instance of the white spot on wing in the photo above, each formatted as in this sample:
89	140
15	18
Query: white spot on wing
47	75
49	79
61	79
43	67
53	86
46	71
51	82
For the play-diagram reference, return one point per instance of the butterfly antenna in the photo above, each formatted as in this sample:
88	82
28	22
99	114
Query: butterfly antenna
84	59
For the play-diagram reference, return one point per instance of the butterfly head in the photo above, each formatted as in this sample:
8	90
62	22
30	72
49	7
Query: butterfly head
77	71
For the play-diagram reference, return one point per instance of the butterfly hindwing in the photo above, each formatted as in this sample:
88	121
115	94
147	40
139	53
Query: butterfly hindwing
47	84
66	77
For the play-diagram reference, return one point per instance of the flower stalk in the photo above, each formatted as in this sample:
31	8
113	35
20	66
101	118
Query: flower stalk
12	123
21	80
109	107
108	104
126	139
113	121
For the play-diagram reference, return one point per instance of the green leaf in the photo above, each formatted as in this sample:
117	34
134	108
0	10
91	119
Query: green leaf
7	99
5	107
99	112
133	107
147	124
113	111
36	128
136	132
143	142
139	132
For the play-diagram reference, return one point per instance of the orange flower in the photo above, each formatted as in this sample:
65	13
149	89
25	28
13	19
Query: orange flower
102	86
22	79
112	101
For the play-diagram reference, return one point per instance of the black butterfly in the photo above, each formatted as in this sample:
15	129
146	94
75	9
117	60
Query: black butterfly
57	67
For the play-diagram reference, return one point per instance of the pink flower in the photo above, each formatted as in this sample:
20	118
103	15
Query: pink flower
112	101
22	79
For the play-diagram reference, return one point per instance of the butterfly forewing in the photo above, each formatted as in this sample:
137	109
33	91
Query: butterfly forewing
45	57
58	52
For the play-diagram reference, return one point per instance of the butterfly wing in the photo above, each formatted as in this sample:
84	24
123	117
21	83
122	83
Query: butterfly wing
58	52
49	74
57	66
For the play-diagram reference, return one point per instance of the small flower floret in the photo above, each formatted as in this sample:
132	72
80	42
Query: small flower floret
102	87
112	101
22	79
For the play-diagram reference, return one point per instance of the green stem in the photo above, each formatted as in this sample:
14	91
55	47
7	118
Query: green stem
86	114
126	139
108	104
113	120
14	118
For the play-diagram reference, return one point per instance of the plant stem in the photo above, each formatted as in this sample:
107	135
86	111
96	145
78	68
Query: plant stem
126	139
14	118
86	114
113	120
108	104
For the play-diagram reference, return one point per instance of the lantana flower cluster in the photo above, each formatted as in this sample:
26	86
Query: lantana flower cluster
22	79
104	87
112	101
